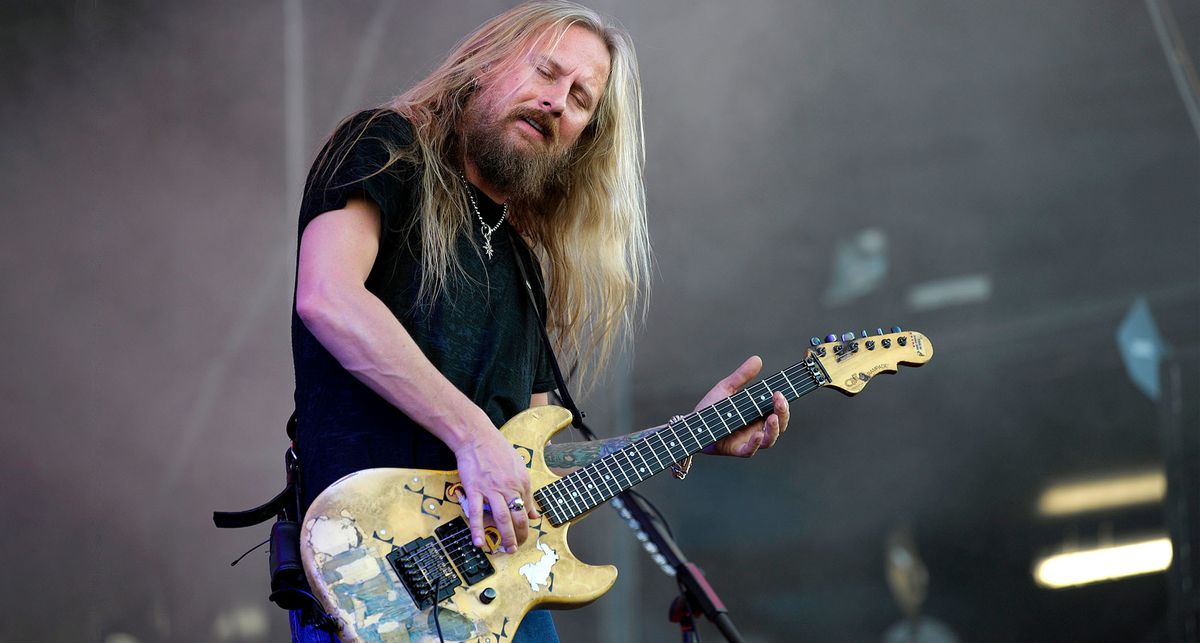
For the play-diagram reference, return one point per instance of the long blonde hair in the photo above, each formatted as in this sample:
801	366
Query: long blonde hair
592	242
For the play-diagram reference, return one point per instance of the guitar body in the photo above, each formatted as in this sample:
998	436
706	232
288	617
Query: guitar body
354	525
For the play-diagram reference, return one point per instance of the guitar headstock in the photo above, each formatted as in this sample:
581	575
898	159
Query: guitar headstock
850	362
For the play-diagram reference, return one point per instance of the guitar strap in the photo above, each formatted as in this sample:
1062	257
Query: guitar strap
523	254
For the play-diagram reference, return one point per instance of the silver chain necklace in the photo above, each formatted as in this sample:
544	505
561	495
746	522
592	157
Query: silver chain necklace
487	230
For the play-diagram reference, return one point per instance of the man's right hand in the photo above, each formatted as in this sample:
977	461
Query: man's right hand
491	472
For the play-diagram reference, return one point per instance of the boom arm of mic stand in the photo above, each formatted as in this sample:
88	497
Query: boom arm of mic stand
698	593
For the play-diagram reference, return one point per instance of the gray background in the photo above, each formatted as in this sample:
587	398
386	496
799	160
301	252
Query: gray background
150	168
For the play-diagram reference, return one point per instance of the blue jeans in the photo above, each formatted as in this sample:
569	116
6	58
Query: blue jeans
536	627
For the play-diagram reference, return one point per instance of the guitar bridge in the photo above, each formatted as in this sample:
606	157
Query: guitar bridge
424	571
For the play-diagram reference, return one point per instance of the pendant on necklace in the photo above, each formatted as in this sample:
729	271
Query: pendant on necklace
487	240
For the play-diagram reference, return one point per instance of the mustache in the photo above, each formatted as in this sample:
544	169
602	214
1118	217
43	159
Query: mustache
548	125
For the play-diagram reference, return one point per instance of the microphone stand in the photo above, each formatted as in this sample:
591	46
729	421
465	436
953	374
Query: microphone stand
697	597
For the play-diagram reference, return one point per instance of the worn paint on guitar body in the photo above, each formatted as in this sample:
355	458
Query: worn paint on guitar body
354	524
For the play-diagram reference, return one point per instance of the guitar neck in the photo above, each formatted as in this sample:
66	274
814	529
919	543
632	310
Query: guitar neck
588	487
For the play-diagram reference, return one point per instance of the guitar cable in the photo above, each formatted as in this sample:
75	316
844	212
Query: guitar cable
437	592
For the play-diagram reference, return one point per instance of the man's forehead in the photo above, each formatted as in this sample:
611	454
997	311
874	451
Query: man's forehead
577	48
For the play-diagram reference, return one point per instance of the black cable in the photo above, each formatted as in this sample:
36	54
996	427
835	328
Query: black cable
239	558
437	594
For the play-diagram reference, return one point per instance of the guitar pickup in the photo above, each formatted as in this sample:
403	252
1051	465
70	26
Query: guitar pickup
469	560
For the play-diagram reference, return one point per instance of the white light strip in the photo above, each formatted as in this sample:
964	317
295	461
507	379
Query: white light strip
1094	495
1103	564
954	291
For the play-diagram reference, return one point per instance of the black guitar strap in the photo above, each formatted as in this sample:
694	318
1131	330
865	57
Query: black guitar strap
523	254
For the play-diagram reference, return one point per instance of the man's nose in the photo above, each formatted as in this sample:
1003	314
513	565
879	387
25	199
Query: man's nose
553	99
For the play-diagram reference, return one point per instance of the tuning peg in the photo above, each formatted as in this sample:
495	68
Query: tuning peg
848	337
865	334
815	341
878	331
831	337
896	329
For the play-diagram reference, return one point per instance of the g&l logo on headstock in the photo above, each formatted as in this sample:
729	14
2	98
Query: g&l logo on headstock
857	380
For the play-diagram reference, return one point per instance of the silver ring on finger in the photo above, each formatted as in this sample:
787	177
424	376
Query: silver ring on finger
516	504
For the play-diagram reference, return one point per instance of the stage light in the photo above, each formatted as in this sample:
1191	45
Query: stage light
1108	493
952	291
1082	567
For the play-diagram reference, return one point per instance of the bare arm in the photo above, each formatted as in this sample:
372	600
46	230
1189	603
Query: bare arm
337	251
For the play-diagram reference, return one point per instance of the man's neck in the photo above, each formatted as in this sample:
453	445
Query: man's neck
472	174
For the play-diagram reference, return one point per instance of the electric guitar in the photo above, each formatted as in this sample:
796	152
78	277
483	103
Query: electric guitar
389	555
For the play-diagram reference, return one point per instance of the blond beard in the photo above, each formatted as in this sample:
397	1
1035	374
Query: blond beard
527	176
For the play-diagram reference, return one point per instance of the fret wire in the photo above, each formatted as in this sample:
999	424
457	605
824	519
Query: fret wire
570	494
687	432
600	481
671	457
629	456
651	446
628	483
637	447
593	490
609	472
585	487
675	439
663	442
765	398
721	417
605	475
733	403
704	423
789	381
540	499
555	491
550	503
642	455
692	432
612	486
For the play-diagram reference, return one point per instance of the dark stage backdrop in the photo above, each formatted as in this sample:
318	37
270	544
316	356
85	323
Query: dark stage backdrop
1008	177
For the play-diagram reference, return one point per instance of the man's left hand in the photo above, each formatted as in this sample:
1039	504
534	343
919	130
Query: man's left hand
760	434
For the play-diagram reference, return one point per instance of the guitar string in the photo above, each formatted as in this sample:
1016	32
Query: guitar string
457	543
574	484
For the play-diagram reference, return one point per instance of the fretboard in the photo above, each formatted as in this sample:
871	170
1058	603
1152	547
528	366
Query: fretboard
588	487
